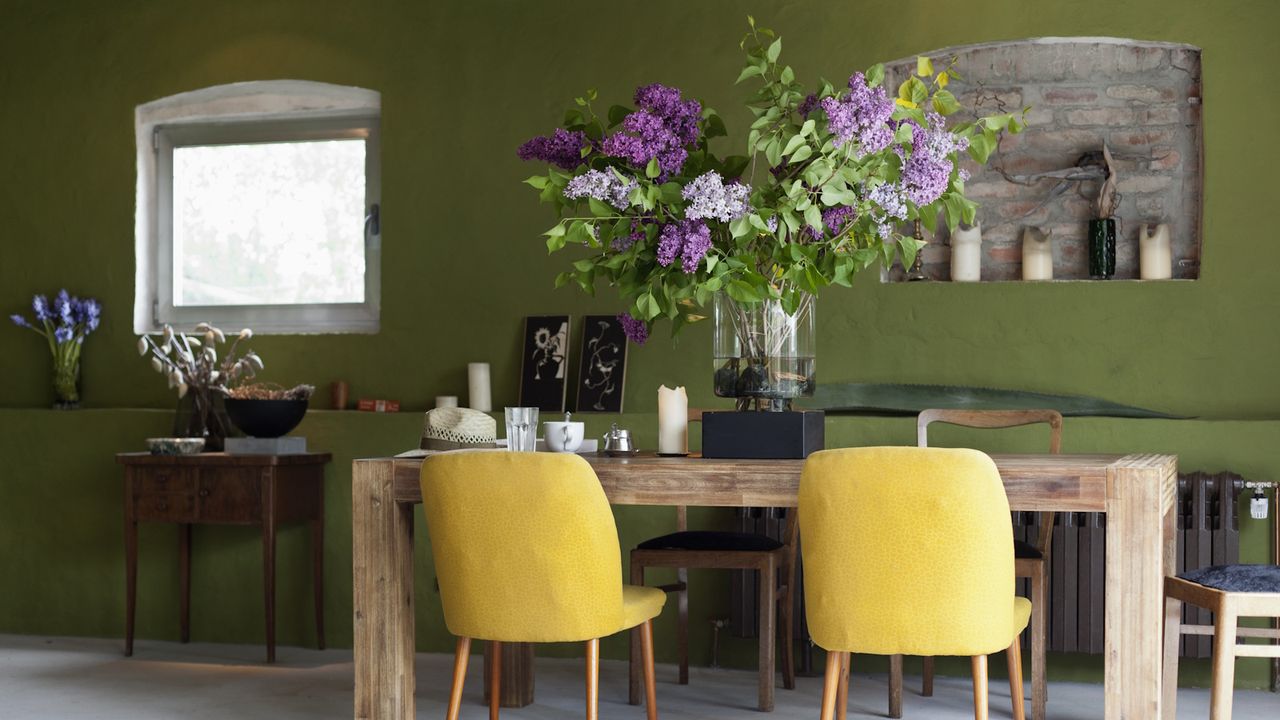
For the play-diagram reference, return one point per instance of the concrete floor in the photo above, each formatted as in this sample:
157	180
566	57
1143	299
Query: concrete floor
76	678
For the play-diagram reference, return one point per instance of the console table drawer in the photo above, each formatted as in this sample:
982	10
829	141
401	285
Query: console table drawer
164	480
165	507
230	495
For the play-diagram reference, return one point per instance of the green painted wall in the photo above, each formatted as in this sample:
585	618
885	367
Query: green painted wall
463	83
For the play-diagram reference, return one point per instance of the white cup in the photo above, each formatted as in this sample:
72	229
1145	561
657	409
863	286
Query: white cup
563	436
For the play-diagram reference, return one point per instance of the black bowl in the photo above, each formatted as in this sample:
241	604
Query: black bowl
266	418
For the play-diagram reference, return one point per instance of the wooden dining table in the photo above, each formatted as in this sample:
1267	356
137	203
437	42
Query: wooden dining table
1136	492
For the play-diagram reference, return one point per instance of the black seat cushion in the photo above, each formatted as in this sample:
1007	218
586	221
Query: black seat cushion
711	540
1237	578
1026	551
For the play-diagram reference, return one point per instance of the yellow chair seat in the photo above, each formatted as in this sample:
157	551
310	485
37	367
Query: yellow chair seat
1021	615
639	604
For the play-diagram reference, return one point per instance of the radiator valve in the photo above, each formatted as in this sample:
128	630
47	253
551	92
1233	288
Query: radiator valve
1258	504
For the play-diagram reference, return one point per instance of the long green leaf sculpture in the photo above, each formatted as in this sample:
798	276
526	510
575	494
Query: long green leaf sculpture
898	399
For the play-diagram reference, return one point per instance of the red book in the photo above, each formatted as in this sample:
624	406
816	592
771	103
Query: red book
369	405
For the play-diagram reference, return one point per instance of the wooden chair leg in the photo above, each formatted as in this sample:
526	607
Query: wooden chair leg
767	605
926	677
1224	663
460	657
842	691
593	679
650	682
495	678
788	621
1172	637
980	687
895	686
633	681
830	685
682	626
1014	657
1039	642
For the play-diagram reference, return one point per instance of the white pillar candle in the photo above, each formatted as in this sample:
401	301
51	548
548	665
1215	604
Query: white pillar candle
673	421
443	401
1155	256
1037	255
478	387
966	253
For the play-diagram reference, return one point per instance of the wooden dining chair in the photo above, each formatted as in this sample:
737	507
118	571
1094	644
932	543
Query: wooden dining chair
861	506
1230	592
1030	560
526	550
702	549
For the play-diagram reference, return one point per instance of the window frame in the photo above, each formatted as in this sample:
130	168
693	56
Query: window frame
244	113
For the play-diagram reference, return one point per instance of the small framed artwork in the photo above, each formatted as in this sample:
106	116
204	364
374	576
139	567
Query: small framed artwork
544	366
602	371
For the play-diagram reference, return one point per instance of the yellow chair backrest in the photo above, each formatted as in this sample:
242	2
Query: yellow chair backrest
906	551
525	546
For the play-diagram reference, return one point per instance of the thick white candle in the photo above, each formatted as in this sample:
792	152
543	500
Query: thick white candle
478	387
443	401
1155	257
966	254
1037	255
673	421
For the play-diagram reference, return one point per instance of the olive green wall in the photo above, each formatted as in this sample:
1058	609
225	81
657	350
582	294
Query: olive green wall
463	83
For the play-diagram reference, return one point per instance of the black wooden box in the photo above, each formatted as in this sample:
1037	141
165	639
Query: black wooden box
762	435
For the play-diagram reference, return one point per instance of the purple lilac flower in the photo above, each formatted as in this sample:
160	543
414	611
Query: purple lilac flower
772	224
926	173
837	219
709	197
622	243
884	230
603	185
634	329
63	334
808	105
662	127
891	199
863	113
562	148
19	321
687	239
963	175
40	304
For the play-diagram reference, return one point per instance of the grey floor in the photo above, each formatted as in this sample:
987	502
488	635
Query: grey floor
75	678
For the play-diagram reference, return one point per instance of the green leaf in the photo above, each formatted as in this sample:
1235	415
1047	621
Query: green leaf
795	142
648	307
773	153
813	217
945	103
617	114
807	128
775	49
875	75
910	248
740	228
599	209
653	169
787	76
980	148
563	279
742	291
537	181
919	91
997	122
715	127
924	67
804	153
748	71
734	165
583	265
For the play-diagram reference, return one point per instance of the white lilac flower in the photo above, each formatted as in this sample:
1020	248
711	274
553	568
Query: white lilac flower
602	185
710	198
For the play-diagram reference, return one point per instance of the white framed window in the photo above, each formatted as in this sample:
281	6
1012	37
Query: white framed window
259	206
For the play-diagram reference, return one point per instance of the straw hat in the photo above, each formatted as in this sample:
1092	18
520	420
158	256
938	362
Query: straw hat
450	428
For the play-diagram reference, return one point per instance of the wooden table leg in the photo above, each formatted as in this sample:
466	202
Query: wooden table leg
515	662
269	561
382	580
130	582
1140	500
184	578
767	607
317	574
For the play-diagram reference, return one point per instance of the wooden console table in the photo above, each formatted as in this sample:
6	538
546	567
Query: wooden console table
1135	491
221	489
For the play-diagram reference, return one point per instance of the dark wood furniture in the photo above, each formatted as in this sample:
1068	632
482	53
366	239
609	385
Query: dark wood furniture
1030	561
221	489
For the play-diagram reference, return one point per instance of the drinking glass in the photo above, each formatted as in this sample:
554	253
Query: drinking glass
522	428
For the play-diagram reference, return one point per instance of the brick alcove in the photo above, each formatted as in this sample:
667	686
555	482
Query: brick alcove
1140	98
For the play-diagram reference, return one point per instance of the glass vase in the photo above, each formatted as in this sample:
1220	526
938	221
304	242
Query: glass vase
66	385
1102	248
764	356
201	414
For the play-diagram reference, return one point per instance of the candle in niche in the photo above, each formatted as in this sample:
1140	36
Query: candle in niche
444	401
1037	254
1155	254
966	253
478	387
673	421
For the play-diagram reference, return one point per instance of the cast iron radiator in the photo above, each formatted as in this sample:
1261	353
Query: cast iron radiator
1208	534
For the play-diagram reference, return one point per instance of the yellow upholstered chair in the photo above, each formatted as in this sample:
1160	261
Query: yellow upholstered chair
526	550
859	509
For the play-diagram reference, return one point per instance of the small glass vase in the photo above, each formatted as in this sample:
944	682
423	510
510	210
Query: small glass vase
66	385
201	414
764	356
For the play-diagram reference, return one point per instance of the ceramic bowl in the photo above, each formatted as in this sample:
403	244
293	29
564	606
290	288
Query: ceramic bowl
175	446
266	418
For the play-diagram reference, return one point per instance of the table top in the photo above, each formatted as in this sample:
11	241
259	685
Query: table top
223	459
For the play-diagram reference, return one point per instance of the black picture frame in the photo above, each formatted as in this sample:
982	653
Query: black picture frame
544	364
602	365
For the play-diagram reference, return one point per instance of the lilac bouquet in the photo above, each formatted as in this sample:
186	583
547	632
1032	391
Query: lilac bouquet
64	324
829	182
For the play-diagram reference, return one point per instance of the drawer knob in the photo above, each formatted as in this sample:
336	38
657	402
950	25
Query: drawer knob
204	492
162	505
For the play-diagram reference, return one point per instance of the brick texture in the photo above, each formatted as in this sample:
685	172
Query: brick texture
1141	98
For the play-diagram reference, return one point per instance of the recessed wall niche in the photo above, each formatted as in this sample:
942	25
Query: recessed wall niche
1142	99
